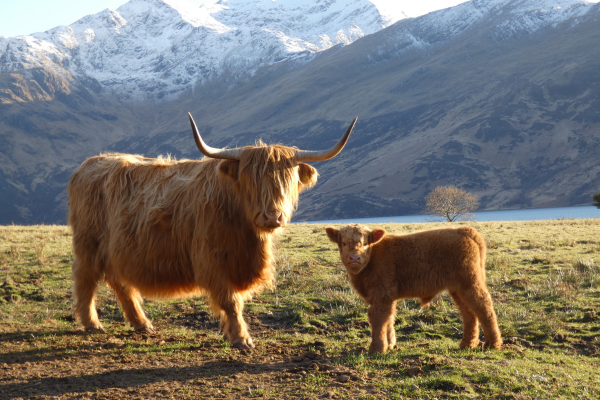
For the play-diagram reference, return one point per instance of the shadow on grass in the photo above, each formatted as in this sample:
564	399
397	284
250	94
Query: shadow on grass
30	335
77	344
132	378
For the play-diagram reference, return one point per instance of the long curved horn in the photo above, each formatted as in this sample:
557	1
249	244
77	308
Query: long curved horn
303	155
224	154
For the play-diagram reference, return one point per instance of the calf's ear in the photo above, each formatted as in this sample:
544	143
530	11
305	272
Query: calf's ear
376	235
230	169
332	234
308	175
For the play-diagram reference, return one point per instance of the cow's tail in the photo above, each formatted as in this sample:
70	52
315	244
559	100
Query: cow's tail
476	237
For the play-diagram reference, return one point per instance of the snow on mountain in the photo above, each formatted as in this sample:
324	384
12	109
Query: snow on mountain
509	18
156	49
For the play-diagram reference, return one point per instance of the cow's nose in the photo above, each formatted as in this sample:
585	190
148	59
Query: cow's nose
354	259
273	218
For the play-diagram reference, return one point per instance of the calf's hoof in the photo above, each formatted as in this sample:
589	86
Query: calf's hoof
376	350
492	345
245	344
470	344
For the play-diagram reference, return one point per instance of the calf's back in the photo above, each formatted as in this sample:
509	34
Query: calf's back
424	263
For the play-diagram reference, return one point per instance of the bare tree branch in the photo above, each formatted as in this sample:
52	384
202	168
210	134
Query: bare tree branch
450	203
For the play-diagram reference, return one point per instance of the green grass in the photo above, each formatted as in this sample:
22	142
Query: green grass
311	329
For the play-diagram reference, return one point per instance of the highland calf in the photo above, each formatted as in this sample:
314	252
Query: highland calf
385	268
162	228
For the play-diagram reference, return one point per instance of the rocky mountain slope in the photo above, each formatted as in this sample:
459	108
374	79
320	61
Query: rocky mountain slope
500	97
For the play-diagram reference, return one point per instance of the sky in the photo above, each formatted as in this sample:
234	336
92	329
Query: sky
23	17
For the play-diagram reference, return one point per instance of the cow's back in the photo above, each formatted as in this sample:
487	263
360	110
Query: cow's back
87	206
133	218
93	187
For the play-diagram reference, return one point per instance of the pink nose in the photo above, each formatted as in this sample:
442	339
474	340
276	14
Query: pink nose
354	259
273	218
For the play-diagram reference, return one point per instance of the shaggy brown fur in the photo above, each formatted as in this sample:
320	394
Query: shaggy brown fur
384	268
163	228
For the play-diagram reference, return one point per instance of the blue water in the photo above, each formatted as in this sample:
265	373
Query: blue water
502	215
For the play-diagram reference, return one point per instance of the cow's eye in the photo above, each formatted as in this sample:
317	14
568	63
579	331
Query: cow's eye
343	243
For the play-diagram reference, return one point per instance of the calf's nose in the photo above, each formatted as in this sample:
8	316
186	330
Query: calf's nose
354	259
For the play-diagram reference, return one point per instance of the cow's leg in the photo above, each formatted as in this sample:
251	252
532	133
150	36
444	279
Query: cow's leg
379	317
232	321
85	286
470	323
131	303
479	300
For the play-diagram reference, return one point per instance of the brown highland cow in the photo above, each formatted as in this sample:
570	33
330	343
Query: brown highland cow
162	228
384	268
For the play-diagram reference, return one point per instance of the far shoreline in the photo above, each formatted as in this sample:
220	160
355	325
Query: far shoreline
524	214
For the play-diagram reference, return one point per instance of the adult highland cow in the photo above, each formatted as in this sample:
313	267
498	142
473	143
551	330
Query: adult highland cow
162	228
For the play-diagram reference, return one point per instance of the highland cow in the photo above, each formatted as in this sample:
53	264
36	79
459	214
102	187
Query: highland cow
384	268
162	228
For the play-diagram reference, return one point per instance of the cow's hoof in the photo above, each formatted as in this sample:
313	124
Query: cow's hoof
145	329
95	329
243	346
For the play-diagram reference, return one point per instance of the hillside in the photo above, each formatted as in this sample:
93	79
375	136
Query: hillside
501	98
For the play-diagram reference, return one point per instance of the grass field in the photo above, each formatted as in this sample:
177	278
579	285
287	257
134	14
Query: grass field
311	330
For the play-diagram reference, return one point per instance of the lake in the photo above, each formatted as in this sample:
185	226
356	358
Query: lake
501	215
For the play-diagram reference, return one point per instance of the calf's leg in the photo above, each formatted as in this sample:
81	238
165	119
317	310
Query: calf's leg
470	323
391	331
479	300
131	303
85	286
380	315
426	301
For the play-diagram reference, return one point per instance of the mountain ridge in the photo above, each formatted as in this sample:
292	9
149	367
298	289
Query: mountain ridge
511	117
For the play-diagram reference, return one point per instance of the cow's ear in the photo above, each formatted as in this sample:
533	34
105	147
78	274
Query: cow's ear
376	235
333	234
229	168
308	175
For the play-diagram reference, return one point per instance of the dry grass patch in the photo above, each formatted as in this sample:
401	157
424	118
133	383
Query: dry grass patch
311	329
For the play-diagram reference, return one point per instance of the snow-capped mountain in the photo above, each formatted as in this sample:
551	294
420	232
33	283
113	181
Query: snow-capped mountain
154	49
509	18
158	48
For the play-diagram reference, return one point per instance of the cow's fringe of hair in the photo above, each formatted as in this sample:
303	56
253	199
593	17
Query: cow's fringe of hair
276	162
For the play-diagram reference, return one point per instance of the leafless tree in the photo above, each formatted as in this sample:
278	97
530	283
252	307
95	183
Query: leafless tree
597	199
451	203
